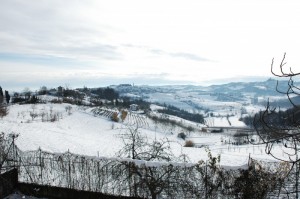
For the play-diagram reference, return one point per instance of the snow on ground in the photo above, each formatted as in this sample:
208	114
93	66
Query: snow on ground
154	107
131	95
231	155
232	121
235	121
254	109
81	132
261	87
217	121
20	196
47	98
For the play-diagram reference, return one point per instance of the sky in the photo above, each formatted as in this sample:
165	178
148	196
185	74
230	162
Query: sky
97	43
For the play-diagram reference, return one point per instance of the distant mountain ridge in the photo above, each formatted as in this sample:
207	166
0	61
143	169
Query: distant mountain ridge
230	96
262	88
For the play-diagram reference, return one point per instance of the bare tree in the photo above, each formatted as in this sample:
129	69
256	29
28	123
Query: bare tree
43	90
281	130
8	151
27	92
153	178
137	146
68	109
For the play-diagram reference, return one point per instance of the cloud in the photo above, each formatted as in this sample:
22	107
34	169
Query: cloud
54	29
188	56
37	59
99	51
182	39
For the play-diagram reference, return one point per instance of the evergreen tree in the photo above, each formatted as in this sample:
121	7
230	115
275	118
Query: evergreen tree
1	91
7	96
1	95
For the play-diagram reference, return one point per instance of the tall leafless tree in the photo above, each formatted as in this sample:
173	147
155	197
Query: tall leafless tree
281	130
138	147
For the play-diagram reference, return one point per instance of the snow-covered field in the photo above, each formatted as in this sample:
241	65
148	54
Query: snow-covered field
81	132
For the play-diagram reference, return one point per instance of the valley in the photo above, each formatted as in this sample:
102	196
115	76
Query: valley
89	130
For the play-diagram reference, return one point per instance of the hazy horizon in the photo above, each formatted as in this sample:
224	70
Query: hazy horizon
94	84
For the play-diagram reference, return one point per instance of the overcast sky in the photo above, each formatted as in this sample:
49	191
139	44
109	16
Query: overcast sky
97	42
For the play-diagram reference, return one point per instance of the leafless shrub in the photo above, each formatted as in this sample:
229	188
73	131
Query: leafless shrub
68	109
115	117
112	126
43	115
3	110
55	117
56	101
33	115
189	143
123	115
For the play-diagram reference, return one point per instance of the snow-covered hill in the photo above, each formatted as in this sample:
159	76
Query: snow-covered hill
233	99
63	127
